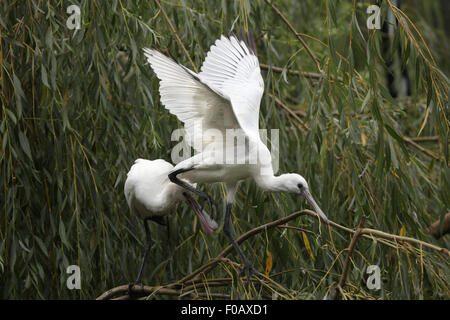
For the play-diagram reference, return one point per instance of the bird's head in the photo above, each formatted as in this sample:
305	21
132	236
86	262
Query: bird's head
295	183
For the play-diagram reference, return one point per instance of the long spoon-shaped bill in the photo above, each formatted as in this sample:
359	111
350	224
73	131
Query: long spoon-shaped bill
208	225
313	203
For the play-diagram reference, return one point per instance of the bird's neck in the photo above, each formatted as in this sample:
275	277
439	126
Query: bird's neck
264	175
269	182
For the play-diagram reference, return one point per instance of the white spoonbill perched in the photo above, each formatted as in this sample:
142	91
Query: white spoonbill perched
150	196
224	96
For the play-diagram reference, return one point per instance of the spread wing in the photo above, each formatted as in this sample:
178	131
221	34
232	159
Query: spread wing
226	94
233	70
196	104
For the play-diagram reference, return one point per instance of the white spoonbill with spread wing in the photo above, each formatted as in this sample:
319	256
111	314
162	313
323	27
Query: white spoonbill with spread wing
224	96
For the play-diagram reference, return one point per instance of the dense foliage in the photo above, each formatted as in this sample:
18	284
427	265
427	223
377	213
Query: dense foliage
79	106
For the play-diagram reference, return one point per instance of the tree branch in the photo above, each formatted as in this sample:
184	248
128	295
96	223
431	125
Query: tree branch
425	139
212	263
424	150
176	35
341	284
297	35
310	75
193	278
306	74
292	113
121	292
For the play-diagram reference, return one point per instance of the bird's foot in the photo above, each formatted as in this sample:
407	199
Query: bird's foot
132	286
249	270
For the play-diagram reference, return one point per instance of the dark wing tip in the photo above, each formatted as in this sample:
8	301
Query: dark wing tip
242	35
248	39
252	42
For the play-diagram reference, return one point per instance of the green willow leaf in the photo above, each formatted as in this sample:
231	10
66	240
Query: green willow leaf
25	145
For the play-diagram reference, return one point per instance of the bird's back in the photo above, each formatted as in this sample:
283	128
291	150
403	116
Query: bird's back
148	190
229	163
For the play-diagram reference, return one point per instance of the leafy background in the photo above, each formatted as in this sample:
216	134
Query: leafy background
77	108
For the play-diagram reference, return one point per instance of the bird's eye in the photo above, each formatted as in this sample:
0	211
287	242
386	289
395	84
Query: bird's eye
300	186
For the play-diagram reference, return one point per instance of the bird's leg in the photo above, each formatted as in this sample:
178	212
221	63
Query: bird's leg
210	204
173	178
169	250
229	232
147	249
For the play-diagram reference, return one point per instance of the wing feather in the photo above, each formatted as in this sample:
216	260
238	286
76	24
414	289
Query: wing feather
199	106
233	70
226	94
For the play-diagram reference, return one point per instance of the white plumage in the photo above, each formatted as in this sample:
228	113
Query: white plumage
226	94
148	190
150	194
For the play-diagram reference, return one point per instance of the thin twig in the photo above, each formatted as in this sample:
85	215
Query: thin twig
279	103
370	233
425	139
424	150
310	75
176	35
355	237
296	228
306	74
297	35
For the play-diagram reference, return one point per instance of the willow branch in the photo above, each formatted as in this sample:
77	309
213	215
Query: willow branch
297	35
425	139
138	290
192	278
309	75
176	35
424	150
350	249
212	263
306	74
370	233
121	292
292	113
